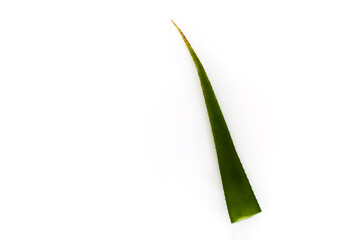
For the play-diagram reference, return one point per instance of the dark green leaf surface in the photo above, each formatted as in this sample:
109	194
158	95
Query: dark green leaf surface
240	199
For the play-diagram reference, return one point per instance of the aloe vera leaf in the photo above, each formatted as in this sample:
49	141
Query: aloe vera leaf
240	199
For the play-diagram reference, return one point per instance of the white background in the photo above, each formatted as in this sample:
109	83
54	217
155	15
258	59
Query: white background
104	132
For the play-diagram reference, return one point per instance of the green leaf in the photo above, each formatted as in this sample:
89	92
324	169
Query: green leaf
240	199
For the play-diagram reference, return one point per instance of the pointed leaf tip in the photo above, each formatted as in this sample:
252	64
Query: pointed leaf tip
240	198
